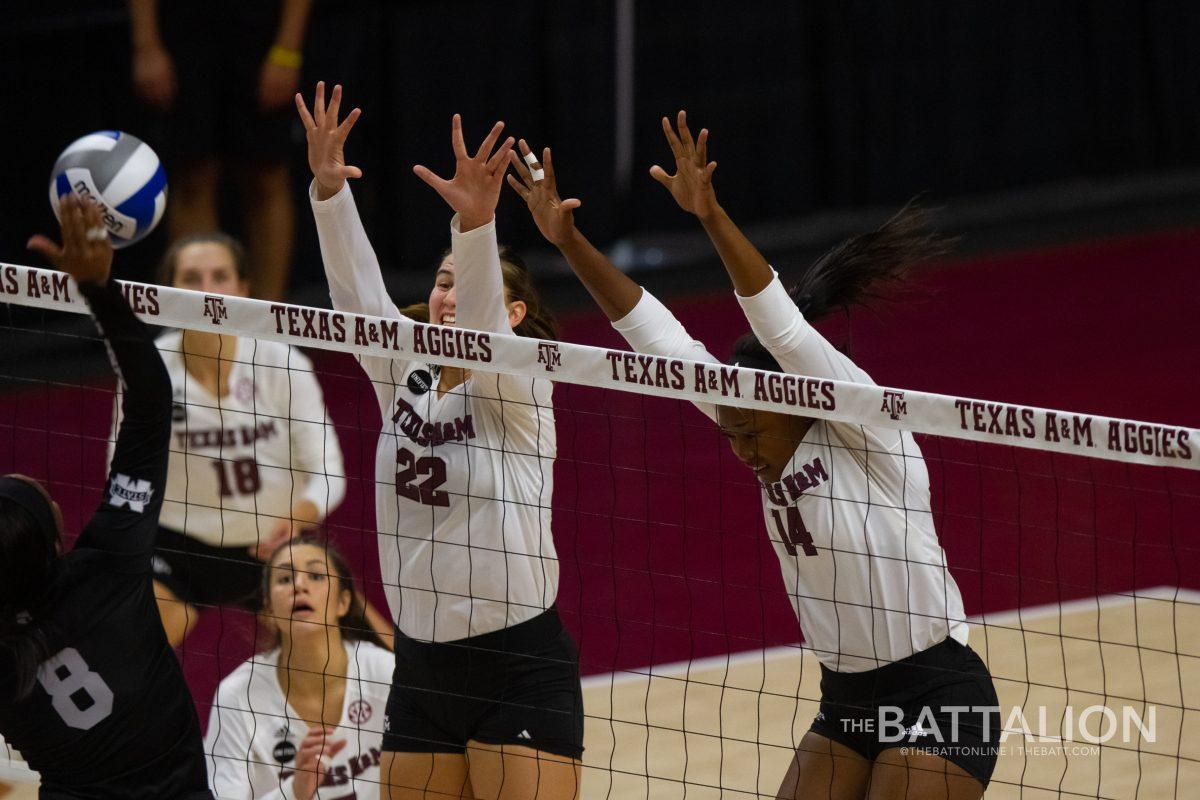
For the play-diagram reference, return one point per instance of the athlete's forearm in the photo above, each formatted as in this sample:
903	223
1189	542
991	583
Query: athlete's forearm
747	268
135	358
613	290
293	20
143	24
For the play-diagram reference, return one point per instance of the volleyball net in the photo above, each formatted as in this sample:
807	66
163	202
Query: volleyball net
1072	537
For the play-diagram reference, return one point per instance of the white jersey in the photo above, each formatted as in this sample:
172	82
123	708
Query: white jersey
240	462
254	734
463	481
850	518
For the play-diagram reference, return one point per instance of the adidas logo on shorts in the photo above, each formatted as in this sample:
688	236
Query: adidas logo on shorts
524	735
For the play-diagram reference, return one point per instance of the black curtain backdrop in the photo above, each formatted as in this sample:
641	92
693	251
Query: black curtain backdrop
812	105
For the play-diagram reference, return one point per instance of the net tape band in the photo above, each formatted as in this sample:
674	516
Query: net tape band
1051	430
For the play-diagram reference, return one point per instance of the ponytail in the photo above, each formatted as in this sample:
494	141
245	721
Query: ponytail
863	267
855	272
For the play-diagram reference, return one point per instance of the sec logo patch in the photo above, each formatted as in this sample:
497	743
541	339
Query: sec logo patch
359	712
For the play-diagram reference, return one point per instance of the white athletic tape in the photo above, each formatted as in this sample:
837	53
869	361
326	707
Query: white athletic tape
944	415
537	174
530	158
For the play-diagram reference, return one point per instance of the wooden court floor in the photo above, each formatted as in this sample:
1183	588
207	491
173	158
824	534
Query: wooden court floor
725	728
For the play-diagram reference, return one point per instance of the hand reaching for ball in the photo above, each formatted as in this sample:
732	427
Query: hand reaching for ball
86	254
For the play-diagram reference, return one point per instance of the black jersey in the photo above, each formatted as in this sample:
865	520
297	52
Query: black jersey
110	716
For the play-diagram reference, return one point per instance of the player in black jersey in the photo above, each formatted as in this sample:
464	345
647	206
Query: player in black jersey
90	693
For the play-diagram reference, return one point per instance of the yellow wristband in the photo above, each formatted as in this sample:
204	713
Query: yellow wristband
280	56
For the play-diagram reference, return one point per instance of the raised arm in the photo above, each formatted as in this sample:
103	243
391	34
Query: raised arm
645	323
692	188
127	519
612	289
355	279
771	312
473	192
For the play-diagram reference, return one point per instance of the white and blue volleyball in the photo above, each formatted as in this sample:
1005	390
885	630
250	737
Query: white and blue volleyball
122	174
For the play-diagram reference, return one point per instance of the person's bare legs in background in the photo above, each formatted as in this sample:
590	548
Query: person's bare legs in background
269	213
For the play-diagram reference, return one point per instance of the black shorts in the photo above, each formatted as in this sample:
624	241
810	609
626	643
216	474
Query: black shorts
516	686
916	703
218	48
203	575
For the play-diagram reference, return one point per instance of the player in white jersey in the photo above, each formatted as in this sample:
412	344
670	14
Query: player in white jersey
486	697
254	456
847	506
305	713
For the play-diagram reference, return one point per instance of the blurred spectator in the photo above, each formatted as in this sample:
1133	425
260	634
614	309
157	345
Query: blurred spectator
221	74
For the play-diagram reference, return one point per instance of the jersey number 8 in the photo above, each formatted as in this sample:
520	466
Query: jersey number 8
80	696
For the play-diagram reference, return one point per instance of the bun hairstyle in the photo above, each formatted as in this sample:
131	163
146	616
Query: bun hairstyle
170	260
354	624
855	272
28	550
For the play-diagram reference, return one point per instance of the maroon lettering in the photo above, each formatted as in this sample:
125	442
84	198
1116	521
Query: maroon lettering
729	381
389	335
278	311
613	358
10	280
827	392
792	533
815	472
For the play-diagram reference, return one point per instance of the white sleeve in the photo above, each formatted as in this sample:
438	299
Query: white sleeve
228	749
478	281
482	306
651	328
355	279
794	343
316	454
801	350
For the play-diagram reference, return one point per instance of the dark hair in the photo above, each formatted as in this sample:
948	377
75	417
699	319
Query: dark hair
27	553
417	312
856	271
170	260
353	624
539	322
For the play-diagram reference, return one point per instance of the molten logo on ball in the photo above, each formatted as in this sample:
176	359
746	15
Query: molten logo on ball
121	174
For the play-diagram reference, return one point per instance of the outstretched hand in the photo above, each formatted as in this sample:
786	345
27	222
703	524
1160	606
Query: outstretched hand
474	190
86	253
691	185
327	140
554	217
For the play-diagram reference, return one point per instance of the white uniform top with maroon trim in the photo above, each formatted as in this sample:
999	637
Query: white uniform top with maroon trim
463	480
850	519
240	462
254	734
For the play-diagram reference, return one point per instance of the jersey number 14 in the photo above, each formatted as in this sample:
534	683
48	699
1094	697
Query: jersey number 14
792	532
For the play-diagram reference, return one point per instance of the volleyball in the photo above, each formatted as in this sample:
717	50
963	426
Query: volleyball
122	174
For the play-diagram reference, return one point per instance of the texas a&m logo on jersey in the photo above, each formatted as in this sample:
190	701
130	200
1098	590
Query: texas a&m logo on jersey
214	306
549	355
126	491
894	404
